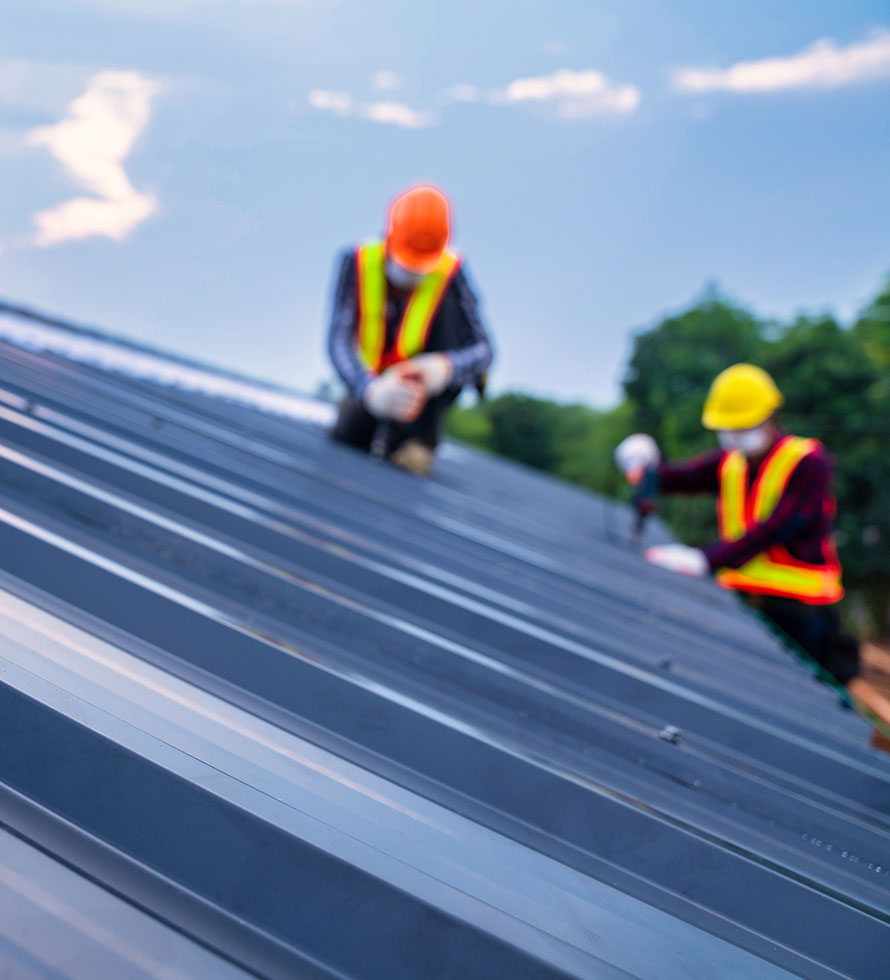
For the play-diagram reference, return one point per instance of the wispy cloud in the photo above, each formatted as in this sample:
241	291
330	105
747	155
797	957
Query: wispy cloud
91	144
575	94
338	102
822	65
389	113
396	114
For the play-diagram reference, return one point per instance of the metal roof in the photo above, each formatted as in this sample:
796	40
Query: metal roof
272	708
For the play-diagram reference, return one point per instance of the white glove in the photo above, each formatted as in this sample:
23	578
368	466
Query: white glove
679	558
395	394
435	369
635	453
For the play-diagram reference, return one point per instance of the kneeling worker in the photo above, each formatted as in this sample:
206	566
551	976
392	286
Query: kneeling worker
775	513
405	333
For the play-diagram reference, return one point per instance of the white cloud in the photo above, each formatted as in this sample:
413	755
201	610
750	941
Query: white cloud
395	114
91	144
388	113
87	217
386	81
574	93
339	102
821	65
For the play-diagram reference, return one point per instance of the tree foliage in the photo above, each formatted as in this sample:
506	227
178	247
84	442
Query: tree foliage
574	442
671	365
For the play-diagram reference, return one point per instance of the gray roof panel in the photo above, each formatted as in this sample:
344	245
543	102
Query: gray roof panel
428	712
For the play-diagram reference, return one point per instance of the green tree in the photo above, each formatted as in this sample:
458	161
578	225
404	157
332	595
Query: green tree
574	442
869	541
873	329
524	428
585	442
470	425
833	390
672	365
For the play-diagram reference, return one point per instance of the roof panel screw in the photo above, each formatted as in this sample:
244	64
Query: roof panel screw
670	733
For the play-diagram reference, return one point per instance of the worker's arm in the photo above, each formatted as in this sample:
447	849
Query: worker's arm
472	352
341	333
639	458
700	474
799	508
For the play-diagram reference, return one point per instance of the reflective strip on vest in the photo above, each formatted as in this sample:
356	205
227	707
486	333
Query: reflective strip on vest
776	571
420	311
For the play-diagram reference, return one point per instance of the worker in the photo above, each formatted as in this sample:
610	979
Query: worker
775	514
405	334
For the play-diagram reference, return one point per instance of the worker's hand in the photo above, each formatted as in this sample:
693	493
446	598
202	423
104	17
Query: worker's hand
436	370
635	454
399	394
679	558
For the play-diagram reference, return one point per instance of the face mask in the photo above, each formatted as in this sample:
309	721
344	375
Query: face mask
751	442
401	278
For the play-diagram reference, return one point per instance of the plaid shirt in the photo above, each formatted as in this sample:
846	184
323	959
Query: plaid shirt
457	329
802	520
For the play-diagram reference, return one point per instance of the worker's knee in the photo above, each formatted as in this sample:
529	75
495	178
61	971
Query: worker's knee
354	426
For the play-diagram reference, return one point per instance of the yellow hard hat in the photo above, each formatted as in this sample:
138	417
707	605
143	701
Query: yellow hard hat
741	397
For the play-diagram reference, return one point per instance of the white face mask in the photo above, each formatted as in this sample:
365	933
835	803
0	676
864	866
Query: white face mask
400	277
751	442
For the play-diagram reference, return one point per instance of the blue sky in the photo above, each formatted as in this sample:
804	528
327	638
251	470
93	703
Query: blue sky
605	160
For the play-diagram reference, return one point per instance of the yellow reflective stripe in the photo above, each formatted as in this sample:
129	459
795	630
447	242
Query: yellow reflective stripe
418	315
762	570
422	307
821	585
733	480
779	468
372	304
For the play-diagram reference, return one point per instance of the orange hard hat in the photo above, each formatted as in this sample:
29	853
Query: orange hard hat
418	227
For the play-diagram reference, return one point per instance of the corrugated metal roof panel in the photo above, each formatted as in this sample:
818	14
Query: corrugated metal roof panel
324	717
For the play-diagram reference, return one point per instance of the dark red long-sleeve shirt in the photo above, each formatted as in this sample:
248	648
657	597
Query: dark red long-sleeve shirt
802	520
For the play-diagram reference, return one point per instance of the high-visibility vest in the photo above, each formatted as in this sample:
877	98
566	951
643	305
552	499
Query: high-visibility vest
420	310
776	571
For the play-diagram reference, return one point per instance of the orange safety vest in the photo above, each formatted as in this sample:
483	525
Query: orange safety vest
776	571
420	310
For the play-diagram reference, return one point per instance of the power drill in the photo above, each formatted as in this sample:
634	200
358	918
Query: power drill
645	499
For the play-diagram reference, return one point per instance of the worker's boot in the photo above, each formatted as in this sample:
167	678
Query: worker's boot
414	456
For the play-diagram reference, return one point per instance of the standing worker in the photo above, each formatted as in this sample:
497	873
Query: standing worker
405	333
775	508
